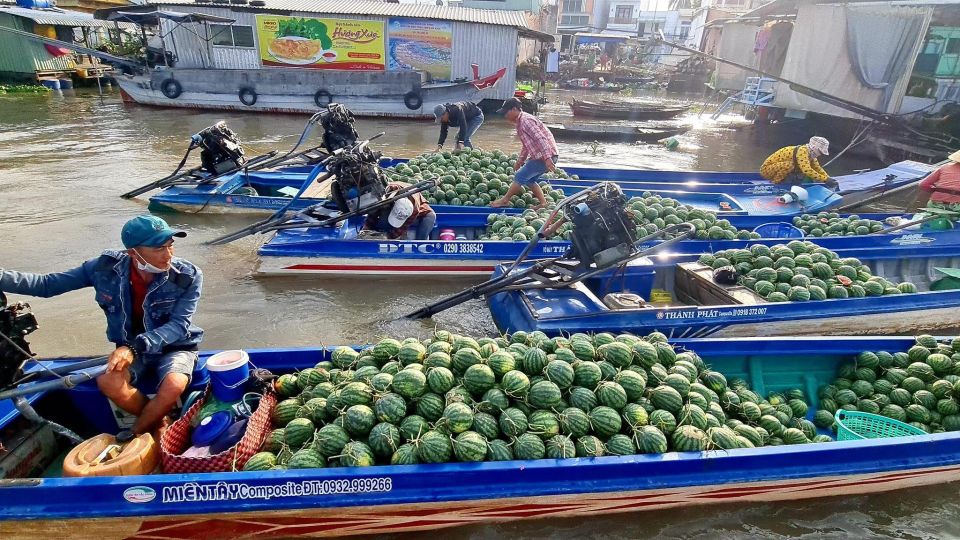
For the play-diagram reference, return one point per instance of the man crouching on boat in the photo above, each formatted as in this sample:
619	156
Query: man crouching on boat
149	298
798	165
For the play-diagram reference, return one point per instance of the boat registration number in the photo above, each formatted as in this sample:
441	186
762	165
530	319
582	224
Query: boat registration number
430	248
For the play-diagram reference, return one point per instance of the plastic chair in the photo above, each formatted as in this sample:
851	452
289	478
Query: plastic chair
778	229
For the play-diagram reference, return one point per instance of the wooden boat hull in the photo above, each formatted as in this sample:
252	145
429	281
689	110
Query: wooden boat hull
338	251
602	110
613	133
565	311
393	499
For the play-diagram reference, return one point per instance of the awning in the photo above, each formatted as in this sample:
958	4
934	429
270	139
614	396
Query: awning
535	35
586	39
152	18
56	17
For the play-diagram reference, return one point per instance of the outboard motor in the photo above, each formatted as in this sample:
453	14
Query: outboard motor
602	230
221	150
338	130
360	180
16	322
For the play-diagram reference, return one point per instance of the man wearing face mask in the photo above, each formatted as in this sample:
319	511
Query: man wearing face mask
149	297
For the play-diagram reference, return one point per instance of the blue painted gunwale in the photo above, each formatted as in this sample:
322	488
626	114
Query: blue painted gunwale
340	242
813	362
565	311
744	197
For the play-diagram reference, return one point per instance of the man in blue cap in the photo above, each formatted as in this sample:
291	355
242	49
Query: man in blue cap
149	297
464	115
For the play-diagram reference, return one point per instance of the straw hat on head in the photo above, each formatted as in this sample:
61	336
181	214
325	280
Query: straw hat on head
954	157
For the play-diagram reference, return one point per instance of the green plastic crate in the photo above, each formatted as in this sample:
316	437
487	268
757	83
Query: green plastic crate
855	425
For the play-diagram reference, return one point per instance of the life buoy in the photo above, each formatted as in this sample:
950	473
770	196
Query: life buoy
412	100
322	98
171	88
248	96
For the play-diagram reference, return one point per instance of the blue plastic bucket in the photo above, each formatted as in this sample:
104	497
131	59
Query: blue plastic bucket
778	229
229	371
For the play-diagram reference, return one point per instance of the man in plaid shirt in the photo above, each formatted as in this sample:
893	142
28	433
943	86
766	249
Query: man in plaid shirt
537	155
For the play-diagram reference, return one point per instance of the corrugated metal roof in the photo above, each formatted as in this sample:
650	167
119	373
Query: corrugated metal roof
364	7
56	17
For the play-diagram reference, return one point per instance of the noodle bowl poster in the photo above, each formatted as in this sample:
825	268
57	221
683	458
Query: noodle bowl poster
417	44
312	43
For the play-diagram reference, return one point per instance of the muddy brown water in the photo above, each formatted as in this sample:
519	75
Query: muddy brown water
65	158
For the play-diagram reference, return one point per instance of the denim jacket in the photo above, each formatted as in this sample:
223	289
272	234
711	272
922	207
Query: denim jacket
168	307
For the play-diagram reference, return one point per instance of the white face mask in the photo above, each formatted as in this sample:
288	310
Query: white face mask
144	266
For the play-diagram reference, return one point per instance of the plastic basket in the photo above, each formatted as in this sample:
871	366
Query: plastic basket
855	425
778	229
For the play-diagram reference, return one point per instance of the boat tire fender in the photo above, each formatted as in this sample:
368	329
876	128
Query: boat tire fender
171	88
248	96
412	100
322	98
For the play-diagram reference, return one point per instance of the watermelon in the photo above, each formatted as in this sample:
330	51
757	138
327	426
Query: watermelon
543	423
384	440
620	445
464	358
390	408
612	395
406	454
430	406
297	432
618	354
470	446
560	447
513	422
589	446
411	353
385	350
440	380
689	439
457	417
501	362
433	447
666	398
764	288
261	461
410	383
605	421
633	383
664	420
574	422
284	411
529	446
479	378
356	454
359	420
515	384
534	361
650	440
583	350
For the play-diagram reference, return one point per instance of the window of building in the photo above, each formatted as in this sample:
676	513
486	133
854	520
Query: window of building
232	35
684	30
622	14
573	6
575	20
953	46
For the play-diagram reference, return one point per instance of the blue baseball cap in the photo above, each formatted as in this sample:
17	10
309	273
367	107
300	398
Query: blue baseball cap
148	231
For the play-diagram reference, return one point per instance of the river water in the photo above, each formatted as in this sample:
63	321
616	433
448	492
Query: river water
65	158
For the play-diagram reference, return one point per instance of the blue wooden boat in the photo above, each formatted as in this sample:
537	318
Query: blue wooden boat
339	250
741	192
691	305
393	499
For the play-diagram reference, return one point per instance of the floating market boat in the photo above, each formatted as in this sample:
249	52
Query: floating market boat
625	110
340	249
683	300
338	501
732	193
604	132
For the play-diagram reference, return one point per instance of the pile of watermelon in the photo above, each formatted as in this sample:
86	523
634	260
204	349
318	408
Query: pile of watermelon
920	387
650	212
471	178
526	396
831	224
800	271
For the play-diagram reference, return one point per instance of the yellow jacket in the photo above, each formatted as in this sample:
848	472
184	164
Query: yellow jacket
781	164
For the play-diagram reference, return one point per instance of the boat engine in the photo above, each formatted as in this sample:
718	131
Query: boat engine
338	130
603	232
360	180
16	322
220	148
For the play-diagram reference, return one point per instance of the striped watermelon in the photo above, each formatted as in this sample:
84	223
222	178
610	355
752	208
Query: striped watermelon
515	384
384	440
359	420
479	378
529	446
457	417
559	373
605	421
356	454
663	420
440	380
413	426
284	411
574	422
297	432
589	446
433	447
612	395
261	461
437	359
633	383
386	349
501	362
430	406
560	447
410	383
666	398
650	440
513	422
689	439
464	358
544	395
645	353
356	393
405	455
499	450
534	361
620	445
411	353
390	408
543	423
618	354
486	425
470	446
583	350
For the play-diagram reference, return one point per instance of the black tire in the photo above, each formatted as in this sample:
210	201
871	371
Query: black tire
171	88
322	98
248	96
412	100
